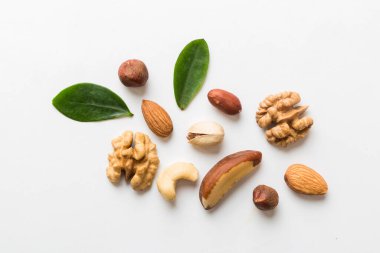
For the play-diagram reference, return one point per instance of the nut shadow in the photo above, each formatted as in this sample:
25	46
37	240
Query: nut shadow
171	204
208	149
235	117
141	192
185	184
118	184
310	198
181	184
139	91
269	214
226	196
165	139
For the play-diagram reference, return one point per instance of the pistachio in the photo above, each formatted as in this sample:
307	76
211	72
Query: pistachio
205	133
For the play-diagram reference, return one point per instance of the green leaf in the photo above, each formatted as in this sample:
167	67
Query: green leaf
190	71
90	102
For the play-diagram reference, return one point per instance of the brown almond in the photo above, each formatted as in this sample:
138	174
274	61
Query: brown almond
157	119
225	174
224	101
303	179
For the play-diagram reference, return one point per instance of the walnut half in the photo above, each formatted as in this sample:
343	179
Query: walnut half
136	158
281	117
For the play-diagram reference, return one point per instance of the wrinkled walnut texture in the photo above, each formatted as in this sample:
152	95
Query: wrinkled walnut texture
281	117
137	159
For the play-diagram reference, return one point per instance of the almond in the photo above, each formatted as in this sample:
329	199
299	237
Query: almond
225	174
157	119
224	101
303	179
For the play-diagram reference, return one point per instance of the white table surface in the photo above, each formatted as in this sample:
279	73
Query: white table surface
54	194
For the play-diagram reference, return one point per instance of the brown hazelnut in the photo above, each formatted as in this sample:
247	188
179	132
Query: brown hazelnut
133	73
265	197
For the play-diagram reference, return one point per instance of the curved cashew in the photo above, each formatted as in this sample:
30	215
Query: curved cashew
167	179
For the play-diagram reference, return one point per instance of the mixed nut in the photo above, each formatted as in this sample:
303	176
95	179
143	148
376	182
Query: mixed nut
265	197
224	101
205	133
166	181
303	179
277	112
157	119
225	174
135	156
133	73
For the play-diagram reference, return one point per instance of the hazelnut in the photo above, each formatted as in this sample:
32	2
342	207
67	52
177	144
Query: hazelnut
133	73
265	197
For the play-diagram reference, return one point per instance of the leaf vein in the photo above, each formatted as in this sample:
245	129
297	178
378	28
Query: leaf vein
97	105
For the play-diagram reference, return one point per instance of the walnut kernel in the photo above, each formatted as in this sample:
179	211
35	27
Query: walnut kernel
138	160
281	117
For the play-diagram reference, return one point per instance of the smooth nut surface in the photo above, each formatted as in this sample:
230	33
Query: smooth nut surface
265	197
224	101
225	174
303	179
205	133
168	178
133	73
157	119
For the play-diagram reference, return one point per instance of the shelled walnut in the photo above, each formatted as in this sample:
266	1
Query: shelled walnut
279	114
138	159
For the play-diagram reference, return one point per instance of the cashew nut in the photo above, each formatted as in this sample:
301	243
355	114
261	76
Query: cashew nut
167	179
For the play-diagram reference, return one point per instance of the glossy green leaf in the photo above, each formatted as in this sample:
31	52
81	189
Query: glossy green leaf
90	102
190	72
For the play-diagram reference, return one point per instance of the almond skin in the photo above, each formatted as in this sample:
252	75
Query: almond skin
224	101
225	174
157	119
303	179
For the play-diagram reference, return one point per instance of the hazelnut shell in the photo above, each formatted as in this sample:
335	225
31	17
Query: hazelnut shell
133	73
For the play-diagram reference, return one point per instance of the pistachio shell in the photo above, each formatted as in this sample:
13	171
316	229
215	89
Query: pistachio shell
205	133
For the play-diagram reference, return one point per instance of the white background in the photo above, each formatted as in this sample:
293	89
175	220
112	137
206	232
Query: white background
54	194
